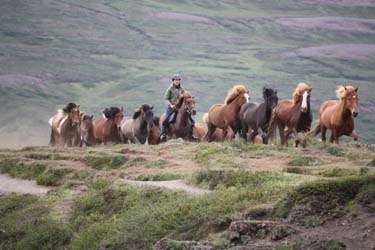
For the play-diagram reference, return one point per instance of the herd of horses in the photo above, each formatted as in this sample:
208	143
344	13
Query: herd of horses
252	122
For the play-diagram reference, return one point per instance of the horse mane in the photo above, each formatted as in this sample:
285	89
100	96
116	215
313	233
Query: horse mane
234	92
86	117
181	99
156	120
342	91
111	112
298	92
69	107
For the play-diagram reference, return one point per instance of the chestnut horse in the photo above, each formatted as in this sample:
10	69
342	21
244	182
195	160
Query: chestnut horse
154	131
108	128
65	127
200	130
226	115
255	117
182	127
136	128
87	131
338	115
294	114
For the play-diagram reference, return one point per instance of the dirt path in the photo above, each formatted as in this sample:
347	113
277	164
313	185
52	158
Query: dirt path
9	185
175	184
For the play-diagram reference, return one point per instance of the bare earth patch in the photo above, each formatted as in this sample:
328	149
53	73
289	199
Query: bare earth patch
175	184
14	185
345	24
360	52
181	17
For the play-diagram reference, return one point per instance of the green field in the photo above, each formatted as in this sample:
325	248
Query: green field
122	53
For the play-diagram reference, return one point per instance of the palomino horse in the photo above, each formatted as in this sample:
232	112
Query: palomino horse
108	128
294	114
136	129
154	131
256	116
226	115
181	128
338	115
65	125
87	131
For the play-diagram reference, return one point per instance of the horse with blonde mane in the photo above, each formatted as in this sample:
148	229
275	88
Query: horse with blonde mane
226	115
181	126
65	126
294	114
337	115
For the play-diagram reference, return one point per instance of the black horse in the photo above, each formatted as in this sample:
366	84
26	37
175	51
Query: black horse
256	116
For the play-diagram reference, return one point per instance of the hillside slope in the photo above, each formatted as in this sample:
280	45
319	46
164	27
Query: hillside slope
122	53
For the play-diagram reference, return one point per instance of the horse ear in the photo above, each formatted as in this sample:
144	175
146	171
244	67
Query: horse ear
275	91
77	106
345	88
152	107
310	89
122	109
91	117
356	89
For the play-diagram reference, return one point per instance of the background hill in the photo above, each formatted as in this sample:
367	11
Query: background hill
101	53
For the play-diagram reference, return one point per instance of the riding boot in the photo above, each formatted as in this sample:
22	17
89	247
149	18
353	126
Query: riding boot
163	131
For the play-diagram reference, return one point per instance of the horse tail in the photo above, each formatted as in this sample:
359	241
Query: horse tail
273	124
313	132
205	118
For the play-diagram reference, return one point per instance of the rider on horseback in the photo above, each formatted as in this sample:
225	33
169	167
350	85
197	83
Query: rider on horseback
171	96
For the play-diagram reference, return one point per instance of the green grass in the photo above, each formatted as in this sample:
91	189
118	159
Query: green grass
304	161
27	224
16	168
105	161
159	177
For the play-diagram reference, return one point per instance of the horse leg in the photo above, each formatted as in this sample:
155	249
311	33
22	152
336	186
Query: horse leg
354	135
225	132
253	135
210	132
296	139
52	140
323	131
281	132
287	134
335	137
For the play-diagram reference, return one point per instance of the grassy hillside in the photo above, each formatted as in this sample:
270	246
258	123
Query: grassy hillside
101	53
270	197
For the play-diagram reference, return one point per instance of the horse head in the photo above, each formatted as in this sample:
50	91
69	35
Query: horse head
302	94
118	118
75	116
349	94
270	98
189	105
146	114
87	128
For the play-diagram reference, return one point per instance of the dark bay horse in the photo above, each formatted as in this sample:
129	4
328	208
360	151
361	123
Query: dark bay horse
294	114
107	129
154	131
136	128
256	116
181	128
337	115
87	131
65	126
226	115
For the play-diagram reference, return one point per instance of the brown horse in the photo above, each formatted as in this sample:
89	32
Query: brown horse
154	132
182	127
226	115
109	128
87	131
338	115
294	114
65	127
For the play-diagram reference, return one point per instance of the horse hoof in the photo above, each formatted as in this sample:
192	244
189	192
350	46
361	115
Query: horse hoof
296	143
